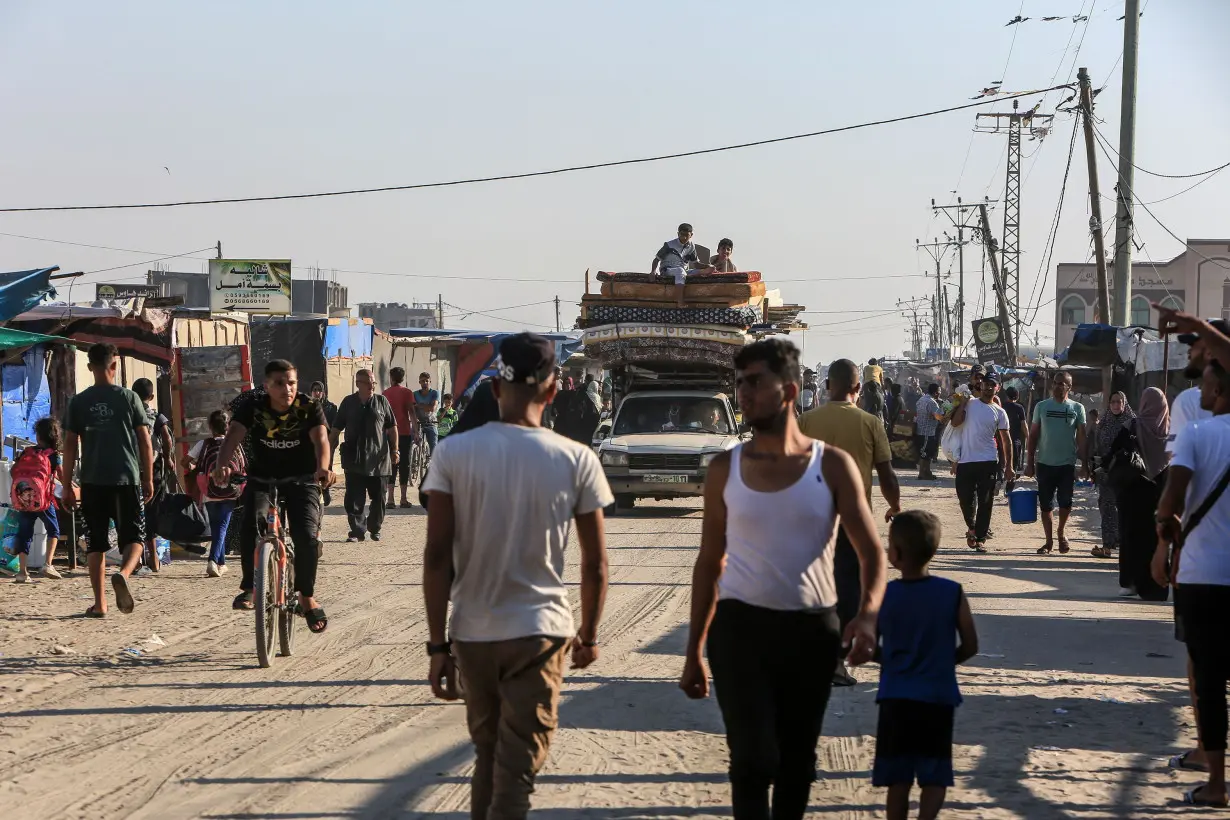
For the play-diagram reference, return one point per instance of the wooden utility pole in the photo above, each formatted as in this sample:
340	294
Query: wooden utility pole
440	311
219	248
1095	195
988	240
557	314
1127	151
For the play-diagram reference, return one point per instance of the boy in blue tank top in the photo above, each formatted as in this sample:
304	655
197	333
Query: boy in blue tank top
919	622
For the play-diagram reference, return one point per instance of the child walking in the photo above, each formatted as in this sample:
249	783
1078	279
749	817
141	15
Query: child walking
34	473
920	619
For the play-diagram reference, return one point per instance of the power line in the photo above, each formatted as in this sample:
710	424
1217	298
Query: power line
77	244
530	174
1210	171
147	261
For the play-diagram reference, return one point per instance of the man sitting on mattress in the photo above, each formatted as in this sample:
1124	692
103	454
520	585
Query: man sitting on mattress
676	258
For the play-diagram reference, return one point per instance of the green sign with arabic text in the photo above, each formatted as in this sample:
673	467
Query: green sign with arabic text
249	285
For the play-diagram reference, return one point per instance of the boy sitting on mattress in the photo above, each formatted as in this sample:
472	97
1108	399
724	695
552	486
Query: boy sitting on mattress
676	258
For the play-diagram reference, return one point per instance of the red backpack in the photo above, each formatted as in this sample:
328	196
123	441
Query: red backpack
32	478
205	469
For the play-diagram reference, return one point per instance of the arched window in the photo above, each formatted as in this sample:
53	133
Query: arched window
1172	302
1140	310
1072	311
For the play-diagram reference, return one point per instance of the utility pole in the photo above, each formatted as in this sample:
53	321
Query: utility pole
936	250
219	248
1010	249
1095	196
988	240
440	311
964	218
918	323
1122	304
557	314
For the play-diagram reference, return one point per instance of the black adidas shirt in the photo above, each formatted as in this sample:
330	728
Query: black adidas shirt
280	444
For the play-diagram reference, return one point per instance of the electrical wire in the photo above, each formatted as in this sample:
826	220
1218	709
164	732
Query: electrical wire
77	244
1114	150
1044	269
1177	195
146	261
530	174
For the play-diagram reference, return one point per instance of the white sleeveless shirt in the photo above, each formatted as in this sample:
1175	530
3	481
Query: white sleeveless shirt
779	546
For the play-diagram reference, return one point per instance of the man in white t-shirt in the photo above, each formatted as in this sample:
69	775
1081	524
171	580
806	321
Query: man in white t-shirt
1202	576
502	501
1186	406
982	423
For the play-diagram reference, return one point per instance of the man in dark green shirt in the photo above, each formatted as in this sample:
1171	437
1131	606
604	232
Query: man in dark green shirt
108	427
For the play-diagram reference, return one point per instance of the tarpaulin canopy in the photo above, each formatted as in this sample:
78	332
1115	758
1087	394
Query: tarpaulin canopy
11	338
23	289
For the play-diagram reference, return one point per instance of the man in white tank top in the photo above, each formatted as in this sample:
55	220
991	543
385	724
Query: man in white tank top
763	594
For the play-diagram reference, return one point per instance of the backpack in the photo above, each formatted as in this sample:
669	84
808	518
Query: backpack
210	491
32	478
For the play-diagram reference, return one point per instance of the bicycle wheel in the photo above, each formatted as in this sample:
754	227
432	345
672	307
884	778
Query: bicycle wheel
416	464
264	597
286	615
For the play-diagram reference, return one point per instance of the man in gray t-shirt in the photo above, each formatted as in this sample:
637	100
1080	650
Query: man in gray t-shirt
503	498
369	454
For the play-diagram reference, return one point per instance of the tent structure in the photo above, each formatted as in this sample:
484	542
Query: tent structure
23	289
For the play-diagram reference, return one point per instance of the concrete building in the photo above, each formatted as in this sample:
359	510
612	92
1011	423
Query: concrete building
388	316
194	287
319	296
1197	281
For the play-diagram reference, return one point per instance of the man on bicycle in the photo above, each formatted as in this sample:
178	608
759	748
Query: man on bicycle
289	438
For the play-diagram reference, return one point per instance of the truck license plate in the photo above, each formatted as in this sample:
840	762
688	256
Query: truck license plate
666	479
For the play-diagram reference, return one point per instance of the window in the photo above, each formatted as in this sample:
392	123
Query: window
1072	311
1172	302
1140	310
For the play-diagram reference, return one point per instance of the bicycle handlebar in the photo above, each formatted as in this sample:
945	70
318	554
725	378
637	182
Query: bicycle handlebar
276	482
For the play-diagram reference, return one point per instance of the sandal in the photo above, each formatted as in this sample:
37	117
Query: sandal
406	505
1046	548
242	601
1180	762
980	546
1064	547
317	620
94	612
123	595
1193	798
971	540
1101	552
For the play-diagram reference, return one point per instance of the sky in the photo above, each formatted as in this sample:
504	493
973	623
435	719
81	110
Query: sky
152	102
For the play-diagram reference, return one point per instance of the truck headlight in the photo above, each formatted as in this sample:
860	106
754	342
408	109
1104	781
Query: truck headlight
707	459
614	459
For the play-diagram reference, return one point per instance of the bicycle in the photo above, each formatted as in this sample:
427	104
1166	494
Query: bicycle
417	460
273	579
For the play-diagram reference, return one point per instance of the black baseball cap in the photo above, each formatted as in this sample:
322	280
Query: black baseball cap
1219	324
526	358
977	369
991	378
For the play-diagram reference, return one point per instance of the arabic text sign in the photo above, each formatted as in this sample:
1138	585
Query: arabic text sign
990	342
114	291
251	285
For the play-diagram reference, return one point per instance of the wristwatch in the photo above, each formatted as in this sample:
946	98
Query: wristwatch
445	648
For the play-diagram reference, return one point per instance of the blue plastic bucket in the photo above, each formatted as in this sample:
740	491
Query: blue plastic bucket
1023	506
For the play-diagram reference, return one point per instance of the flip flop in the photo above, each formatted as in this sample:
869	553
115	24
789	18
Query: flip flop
980	547
1046	548
243	602
123	595
94	612
1180	762
971	540
1064	547
1193	798
317	620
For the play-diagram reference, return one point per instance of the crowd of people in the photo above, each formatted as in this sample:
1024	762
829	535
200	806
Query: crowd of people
781	613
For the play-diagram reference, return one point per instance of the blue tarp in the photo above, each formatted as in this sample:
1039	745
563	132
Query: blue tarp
23	289
26	394
348	341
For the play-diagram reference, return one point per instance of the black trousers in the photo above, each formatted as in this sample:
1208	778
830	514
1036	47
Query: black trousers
1205	613
403	466
359	489
847	575
303	509
1138	537
976	491
773	671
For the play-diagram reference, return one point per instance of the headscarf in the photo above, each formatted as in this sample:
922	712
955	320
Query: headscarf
594	391
1109	425
1152	429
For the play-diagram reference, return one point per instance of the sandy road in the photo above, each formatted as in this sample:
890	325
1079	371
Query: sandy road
348	728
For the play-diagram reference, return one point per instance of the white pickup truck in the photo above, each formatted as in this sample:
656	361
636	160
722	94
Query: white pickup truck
662	442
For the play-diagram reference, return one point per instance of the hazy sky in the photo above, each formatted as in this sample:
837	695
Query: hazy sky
256	98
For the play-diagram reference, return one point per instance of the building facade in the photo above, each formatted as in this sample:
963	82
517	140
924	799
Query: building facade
319	296
1196	281
388	316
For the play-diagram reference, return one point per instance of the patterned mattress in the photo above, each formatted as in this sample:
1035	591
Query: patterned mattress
615	354
741	317
659	334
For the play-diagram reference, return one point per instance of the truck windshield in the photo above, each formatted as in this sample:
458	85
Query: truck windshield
672	414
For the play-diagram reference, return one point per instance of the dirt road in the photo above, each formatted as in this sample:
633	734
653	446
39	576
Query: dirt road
1070	710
